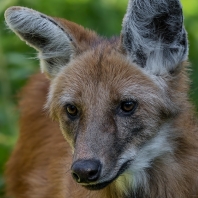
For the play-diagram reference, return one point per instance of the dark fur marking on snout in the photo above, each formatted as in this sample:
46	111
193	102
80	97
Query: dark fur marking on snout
135	131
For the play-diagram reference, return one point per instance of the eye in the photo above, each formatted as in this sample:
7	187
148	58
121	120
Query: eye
128	107
71	110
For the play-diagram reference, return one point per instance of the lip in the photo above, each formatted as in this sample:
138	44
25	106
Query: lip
102	185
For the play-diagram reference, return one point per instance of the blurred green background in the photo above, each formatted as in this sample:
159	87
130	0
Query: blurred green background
17	63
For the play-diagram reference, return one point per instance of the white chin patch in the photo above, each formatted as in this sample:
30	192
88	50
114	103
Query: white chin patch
136	175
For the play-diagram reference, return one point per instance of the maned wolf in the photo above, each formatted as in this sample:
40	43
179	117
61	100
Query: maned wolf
122	105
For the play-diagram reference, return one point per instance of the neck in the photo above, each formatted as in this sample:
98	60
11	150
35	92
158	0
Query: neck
163	167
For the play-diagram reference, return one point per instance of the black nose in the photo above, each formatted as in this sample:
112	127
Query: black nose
85	171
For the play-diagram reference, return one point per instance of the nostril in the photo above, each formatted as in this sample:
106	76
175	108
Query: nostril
76	177
93	174
85	171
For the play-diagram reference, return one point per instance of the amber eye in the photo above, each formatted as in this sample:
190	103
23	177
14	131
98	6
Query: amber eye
128	106
71	110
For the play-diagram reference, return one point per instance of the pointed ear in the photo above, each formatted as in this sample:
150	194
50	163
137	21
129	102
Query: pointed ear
55	39
154	36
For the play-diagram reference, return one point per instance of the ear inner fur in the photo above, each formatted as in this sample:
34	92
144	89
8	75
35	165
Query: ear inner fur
154	36
55	42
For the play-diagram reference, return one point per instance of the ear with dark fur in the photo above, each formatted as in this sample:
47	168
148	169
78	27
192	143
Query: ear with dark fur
54	40
154	36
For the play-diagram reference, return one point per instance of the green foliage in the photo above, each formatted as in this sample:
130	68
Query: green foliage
17	63
191	22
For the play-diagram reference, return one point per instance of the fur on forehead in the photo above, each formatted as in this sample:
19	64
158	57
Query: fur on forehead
93	76
153	35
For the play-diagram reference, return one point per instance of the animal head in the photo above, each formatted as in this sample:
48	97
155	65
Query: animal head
115	99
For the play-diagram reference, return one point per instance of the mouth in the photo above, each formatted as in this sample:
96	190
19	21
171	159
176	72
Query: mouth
102	185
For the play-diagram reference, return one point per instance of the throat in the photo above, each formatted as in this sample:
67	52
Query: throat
146	166
130	183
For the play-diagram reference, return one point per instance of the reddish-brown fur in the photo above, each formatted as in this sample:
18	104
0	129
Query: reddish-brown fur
40	164
100	76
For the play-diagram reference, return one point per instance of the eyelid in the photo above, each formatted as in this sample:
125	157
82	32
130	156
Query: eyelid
68	114
127	98
120	112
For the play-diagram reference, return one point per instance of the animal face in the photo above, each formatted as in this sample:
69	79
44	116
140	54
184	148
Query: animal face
109	110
